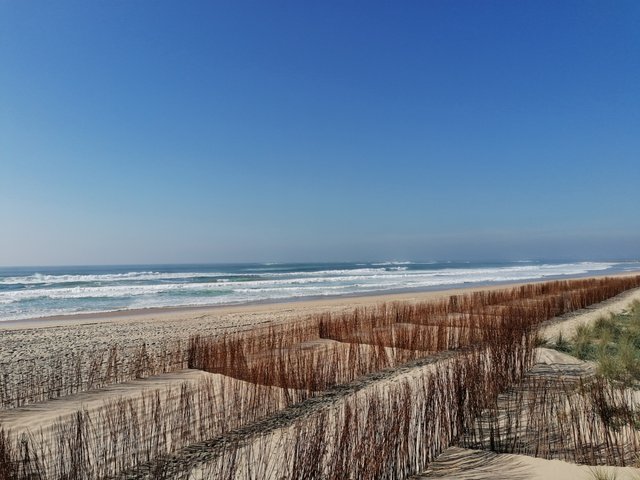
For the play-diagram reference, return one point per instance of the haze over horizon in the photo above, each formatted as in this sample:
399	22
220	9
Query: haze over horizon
142	133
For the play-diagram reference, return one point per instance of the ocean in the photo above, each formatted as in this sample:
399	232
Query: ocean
33	292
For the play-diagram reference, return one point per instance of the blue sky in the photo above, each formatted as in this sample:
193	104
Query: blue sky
163	131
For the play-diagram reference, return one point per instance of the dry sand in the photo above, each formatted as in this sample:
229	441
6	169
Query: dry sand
464	464
41	415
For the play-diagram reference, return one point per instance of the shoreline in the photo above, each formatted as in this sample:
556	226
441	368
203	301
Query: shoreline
302	305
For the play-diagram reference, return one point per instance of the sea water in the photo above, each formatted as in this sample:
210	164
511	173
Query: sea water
32	292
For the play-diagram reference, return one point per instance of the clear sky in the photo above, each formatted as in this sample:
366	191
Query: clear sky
203	131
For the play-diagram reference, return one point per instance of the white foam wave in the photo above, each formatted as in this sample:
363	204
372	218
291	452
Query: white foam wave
324	273
39	278
393	262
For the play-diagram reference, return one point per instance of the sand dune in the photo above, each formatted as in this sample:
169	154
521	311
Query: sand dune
463	464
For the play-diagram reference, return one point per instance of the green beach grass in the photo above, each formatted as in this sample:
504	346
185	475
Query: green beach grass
612	342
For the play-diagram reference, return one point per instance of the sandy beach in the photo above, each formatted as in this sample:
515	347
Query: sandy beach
29	349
